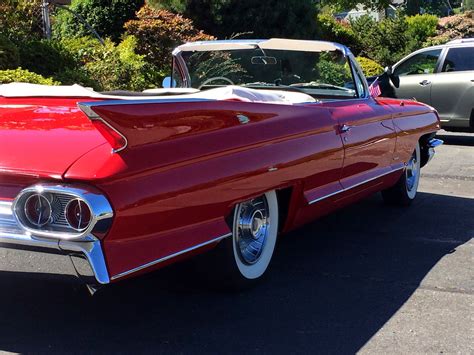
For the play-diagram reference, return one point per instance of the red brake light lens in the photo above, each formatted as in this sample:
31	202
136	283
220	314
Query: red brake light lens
78	214
115	139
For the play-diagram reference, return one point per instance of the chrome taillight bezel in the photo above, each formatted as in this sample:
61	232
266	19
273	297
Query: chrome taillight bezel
99	206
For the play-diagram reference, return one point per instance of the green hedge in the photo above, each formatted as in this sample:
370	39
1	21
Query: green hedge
9	56
369	66
24	76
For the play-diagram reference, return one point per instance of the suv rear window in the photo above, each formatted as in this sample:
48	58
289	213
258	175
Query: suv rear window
459	59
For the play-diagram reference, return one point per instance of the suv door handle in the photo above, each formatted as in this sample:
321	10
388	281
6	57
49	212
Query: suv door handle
425	82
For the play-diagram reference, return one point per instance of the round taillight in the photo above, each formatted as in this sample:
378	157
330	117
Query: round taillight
78	214
37	210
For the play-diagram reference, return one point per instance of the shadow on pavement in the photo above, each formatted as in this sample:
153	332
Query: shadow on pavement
331	287
466	140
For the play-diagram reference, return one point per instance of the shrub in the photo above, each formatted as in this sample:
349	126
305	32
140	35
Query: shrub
158	32
24	76
9	57
82	49
333	30
332	71
44	57
420	27
384	41
116	67
453	27
107	17
77	76
369	66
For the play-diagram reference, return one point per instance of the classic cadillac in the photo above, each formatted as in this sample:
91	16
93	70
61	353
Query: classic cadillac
249	139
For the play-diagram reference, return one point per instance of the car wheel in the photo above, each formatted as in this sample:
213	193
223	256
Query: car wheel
404	191
243	259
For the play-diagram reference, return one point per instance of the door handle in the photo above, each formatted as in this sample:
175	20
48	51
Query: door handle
345	128
425	82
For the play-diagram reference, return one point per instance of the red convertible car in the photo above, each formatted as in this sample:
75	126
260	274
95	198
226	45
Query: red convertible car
250	139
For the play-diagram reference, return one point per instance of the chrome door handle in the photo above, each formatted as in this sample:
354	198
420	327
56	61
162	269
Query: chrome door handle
345	128
425	82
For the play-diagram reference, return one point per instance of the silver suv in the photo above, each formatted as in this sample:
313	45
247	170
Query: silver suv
443	77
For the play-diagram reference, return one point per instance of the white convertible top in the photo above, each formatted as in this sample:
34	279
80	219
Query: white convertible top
223	93
272	43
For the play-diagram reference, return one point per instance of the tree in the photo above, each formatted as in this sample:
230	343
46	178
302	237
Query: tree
19	19
107	17
264	18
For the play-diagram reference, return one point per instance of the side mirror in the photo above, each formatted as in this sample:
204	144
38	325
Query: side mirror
388	70
167	83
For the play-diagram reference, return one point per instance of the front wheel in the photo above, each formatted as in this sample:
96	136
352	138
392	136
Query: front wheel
243	259
404	191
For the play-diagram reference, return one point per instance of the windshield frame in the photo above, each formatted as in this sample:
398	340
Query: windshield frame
179	64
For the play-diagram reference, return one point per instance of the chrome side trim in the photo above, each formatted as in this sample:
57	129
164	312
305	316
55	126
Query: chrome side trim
353	186
88	106
93	116
155	262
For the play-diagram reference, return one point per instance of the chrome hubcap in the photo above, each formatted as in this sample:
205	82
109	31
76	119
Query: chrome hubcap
412	172
252	229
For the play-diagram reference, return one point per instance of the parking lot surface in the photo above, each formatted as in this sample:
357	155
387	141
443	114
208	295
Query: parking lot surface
370	278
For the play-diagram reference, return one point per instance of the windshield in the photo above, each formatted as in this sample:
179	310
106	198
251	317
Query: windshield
320	74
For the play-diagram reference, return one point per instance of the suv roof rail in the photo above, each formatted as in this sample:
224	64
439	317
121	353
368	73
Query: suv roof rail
462	40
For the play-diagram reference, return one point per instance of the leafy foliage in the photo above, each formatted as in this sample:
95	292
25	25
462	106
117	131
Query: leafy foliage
337	31
45	57
369	66
420	28
109	67
331	71
18	19
107	17
24	76
9	56
350	4
384	41
453	27
158	32
257	19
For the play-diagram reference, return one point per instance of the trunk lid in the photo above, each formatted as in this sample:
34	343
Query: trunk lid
42	137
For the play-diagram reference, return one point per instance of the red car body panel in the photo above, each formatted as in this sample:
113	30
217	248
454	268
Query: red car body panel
43	137
187	164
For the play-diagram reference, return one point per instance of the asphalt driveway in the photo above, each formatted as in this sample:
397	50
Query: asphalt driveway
369	278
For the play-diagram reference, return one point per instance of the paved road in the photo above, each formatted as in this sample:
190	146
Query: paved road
369	278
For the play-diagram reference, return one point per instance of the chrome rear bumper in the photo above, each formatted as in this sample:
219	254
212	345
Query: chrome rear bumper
432	144
86	255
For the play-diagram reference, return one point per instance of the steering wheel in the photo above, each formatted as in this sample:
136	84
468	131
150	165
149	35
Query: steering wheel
207	81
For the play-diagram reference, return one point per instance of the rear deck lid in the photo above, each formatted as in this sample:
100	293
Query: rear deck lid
43	136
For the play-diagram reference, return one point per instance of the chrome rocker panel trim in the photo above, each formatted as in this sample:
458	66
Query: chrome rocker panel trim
171	256
355	185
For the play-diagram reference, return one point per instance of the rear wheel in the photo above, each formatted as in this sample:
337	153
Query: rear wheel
404	191
243	259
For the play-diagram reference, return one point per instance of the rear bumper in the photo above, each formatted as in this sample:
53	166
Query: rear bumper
86	255
432	144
